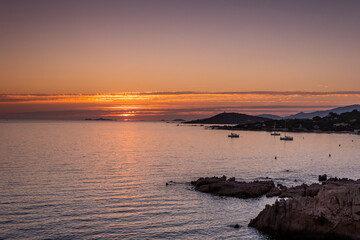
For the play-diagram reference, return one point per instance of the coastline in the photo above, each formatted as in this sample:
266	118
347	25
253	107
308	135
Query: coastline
234	128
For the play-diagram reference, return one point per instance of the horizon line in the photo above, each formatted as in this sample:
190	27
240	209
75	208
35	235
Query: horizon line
357	92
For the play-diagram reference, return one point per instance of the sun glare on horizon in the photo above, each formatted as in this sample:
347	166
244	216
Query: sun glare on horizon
168	105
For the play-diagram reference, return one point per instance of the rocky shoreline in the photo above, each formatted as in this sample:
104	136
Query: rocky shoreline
327	210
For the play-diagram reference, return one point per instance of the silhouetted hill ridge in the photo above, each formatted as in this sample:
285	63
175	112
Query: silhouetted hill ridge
271	116
339	110
229	118
333	122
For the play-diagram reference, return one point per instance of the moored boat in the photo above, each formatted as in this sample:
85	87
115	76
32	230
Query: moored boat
275	134
286	138
233	135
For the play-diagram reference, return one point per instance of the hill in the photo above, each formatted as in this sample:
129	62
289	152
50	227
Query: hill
229	118
339	110
270	116
345	122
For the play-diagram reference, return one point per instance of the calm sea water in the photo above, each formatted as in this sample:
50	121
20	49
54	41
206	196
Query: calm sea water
106	180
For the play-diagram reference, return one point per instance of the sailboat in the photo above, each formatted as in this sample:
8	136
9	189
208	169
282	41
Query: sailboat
274	133
286	138
233	135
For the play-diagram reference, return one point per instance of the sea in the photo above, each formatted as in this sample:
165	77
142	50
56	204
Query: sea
107	179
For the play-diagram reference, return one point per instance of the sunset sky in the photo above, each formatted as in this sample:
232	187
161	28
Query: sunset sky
151	60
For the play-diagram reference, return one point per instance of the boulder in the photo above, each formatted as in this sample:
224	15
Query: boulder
322	178
302	190
275	191
312	190
231	179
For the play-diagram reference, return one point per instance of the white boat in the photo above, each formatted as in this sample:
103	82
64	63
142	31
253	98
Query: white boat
233	135
274	133
286	138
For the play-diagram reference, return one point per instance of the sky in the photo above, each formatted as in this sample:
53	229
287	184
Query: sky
254	51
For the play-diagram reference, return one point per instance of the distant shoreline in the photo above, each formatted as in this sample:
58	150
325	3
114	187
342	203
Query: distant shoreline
233	128
348	122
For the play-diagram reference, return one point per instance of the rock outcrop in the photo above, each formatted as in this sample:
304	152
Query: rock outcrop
327	211
232	188
322	178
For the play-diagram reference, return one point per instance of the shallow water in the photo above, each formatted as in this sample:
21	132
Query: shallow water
91	180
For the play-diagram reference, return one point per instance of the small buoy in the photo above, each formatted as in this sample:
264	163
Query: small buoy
329	155
339	145
275	157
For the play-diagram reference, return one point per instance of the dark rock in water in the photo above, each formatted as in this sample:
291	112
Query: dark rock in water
222	187
231	179
322	178
170	183
178	120
327	211
236	226
207	180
